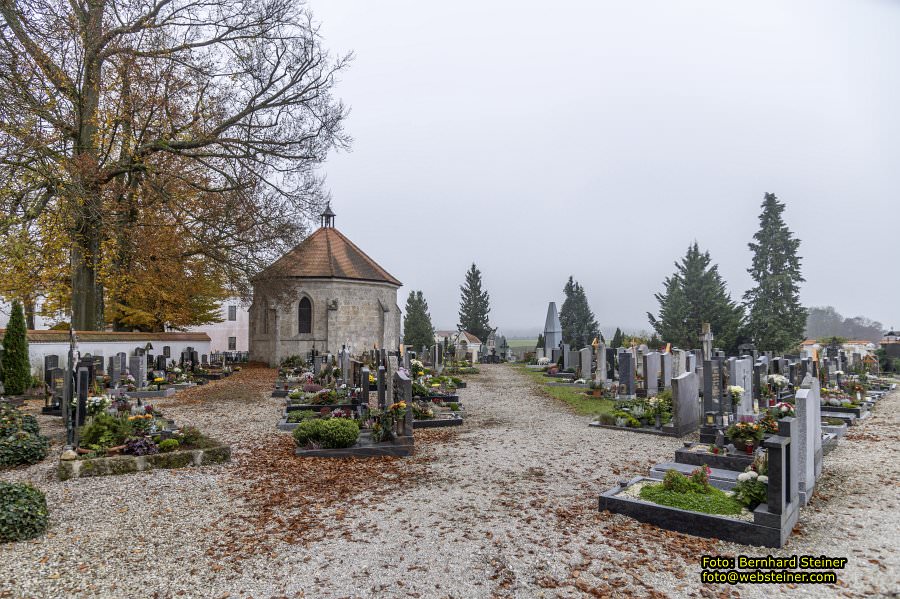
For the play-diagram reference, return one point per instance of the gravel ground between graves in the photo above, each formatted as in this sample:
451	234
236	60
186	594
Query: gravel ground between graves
505	506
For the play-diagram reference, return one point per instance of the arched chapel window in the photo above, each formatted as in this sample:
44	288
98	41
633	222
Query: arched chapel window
305	315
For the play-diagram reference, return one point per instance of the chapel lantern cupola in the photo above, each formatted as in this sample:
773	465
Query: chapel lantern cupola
328	217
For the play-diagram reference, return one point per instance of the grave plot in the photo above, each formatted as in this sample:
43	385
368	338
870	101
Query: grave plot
759	508
124	437
722	492
672	413
384	431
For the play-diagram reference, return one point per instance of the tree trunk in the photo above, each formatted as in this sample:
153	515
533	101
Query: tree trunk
87	291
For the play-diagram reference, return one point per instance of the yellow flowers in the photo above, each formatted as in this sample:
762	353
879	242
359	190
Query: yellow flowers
140	417
159	379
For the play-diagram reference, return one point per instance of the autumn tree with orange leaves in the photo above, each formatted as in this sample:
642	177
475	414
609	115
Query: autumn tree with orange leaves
155	154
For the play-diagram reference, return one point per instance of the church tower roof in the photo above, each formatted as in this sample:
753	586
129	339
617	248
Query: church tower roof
328	254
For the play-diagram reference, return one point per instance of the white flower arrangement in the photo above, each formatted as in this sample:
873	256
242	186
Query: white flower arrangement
736	391
839	372
763	479
543	361
580	382
176	370
779	380
416	365
745	476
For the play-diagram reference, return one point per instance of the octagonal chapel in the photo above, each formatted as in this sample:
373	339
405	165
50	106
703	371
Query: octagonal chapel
323	294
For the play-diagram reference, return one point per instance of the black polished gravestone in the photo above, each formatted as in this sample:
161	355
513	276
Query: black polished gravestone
50	362
382	389
82	386
160	362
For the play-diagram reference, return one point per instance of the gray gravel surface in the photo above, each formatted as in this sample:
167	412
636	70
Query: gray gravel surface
505	506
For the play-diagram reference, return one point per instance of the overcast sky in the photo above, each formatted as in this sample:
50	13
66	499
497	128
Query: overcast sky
599	139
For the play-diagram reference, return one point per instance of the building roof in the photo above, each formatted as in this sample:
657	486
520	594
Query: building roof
54	336
470	338
328	254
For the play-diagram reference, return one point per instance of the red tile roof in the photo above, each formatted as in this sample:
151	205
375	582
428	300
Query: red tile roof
48	336
328	254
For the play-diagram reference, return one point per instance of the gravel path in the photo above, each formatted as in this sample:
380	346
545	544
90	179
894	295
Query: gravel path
505	506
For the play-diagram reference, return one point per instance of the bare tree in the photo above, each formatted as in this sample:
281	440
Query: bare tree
208	116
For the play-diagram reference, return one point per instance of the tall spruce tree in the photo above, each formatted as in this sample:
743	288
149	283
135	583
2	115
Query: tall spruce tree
618	338
417	328
776	319
694	294
474	306
578	325
15	369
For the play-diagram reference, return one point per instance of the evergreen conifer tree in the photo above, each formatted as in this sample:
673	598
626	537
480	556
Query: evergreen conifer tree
418	331
618	338
694	294
15	369
776	319
474	306
578	325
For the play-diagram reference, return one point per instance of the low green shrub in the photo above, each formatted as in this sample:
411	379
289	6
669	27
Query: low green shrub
301	415
23	512
333	433
168	445
192	438
23	448
105	431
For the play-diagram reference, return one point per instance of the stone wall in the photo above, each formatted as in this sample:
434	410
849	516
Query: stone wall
361	314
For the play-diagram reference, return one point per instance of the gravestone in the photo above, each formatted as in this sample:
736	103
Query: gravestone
691	362
552	329
712	386
685	403
50	362
808	421
167	351
586	361
651	373
741	375
137	366
115	375
665	370
160	362
123	363
554	355
679	362
626	373
706	342
538	353
600	374
82	386
783	488
566	356
382	388
393	366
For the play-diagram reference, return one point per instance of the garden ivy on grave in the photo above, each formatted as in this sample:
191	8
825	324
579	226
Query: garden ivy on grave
23	512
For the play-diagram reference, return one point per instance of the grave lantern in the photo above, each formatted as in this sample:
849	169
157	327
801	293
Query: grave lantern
710	418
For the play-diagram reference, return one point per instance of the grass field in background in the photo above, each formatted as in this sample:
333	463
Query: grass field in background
517	343
575	398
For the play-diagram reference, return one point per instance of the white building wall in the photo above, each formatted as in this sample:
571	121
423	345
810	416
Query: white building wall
220	332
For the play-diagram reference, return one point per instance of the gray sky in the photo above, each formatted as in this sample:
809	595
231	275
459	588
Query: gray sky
599	139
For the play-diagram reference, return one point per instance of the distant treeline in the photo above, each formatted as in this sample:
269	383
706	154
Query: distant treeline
825	321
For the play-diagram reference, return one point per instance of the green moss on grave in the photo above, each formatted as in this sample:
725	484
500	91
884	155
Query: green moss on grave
65	470
175	459
121	465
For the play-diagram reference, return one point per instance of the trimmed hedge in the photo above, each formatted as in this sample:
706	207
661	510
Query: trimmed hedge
23	512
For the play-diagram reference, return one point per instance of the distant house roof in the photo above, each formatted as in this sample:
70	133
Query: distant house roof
470	338
328	254
809	342
109	336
